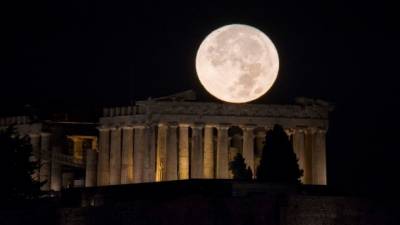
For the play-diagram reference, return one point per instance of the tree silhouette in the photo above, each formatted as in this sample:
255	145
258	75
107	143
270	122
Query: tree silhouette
17	168
238	168
278	162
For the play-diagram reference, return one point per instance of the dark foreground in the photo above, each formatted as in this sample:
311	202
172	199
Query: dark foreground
208	202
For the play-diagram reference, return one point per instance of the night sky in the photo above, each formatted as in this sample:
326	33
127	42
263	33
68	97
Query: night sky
78	56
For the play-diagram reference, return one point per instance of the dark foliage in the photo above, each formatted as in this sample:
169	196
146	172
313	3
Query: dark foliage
18	167
238	168
279	163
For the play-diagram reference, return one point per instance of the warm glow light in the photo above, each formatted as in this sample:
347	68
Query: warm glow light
237	63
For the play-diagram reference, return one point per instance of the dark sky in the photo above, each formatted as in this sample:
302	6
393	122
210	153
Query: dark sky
79	56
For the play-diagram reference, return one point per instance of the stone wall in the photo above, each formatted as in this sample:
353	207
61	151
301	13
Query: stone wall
309	210
43	214
264	209
211	203
182	210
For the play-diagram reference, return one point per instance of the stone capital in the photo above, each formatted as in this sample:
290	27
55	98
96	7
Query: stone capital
103	128
210	125
184	125
139	126
299	130
247	127
311	130
127	127
197	126
162	124
223	126
173	125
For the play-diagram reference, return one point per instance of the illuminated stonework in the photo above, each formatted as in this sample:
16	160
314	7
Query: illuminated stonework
197	140
166	139
80	142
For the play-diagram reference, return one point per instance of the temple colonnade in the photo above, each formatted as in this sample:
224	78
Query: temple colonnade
177	151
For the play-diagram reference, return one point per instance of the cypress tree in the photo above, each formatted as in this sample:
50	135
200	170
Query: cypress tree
278	163
18	168
238	168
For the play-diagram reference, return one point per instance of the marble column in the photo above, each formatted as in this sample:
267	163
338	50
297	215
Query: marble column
161	162
35	142
150	154
127	155
115	156
196	154
56	170
103	165
222	169
319	157
259	147
208	166
299	149
94	144
183	166
309	133
45	161
78	147
139	150
172	153
91	168
248	146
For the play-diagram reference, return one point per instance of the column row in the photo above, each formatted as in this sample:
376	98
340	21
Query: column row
309	145
188	151
126	155
142	153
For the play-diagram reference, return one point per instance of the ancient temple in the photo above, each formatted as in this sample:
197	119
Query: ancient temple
172	139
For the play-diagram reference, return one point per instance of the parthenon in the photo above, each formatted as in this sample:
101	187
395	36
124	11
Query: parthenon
161	141
164	140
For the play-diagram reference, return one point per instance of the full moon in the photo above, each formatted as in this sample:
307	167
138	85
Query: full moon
237	63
